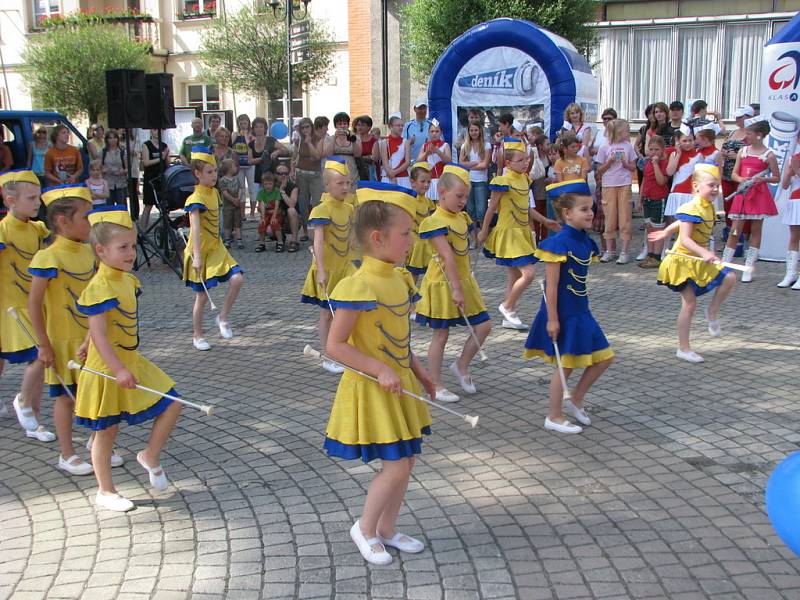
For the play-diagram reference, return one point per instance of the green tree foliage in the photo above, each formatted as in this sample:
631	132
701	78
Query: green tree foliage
247	52
67	65
430	25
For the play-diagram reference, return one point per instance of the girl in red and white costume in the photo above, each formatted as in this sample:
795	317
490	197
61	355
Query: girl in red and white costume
436	152
395	154
791	217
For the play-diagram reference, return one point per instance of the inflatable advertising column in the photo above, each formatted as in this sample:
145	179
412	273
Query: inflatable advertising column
780	102
510	66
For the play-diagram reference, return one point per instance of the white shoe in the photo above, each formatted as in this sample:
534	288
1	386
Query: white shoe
332	367
791	270
642	255
365	547
727	254
113	502
224	328
690	356
200	344
624	258
796	285
403	542
565	427
510	317
158	479
578	412
74	468
714	328
750	261
464	380
606	256
506	324
41	434
25	416
445	395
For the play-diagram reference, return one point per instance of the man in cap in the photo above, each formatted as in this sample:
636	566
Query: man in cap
416	130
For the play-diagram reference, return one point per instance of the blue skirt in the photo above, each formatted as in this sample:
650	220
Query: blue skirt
581	341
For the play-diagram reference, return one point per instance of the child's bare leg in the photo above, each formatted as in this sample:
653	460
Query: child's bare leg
589	376
63	411
236	282
387	522
436	354
325	320
512	274
688	306
733	234
471	348
102	447
554	410
722	292
382	491
523	279
159	434
32	386
756	225
200	300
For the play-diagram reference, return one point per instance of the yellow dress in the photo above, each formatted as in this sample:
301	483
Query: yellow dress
676	272
421	251
19	242
100	402
510	243
366	421
436	308
68	266
350	199
332	219
218	264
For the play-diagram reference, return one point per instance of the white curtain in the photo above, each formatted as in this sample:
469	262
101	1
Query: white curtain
614	56
698	66
654	68
744	45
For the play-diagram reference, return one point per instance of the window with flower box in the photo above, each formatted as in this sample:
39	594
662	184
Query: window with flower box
196	9
45	9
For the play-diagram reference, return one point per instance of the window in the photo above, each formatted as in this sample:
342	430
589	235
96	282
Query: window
203	96
44	9
192	9
277	106
742	81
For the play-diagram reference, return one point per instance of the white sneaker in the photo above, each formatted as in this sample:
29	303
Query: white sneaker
690	356
224	328
365	547
332	367
25	416
200	344
73	467
158	479
517	326
465	381
714	328
403	542
565	427
445	395
642	255
113	502
41	434
578	412
606	256
510	317
624	258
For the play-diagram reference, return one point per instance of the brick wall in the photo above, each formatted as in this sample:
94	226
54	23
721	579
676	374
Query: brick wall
360	49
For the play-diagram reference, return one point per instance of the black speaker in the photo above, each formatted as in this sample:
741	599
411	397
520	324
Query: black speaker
160	101
126	98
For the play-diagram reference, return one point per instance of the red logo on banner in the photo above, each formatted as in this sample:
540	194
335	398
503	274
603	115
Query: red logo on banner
783	76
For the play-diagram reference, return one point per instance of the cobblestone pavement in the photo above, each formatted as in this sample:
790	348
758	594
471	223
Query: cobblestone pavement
661	498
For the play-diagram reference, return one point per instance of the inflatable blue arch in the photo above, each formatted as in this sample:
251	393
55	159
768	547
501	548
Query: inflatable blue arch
510	64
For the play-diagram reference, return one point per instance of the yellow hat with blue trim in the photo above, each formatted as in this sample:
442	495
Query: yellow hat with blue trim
68	190
712	170
338	164
511	143
459	171
386	192
19	176
421	164
571	186
117	214
203	153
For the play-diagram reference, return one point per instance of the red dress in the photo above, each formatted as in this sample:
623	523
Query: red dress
757	202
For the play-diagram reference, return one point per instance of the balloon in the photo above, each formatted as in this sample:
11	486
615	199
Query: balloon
783	501
279	130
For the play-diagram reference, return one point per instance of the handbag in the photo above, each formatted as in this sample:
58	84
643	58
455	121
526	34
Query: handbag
537	167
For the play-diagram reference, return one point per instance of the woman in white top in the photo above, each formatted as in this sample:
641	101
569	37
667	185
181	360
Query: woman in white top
573	121
476	153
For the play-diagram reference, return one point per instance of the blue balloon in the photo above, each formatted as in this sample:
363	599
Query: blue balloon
783	501
279	130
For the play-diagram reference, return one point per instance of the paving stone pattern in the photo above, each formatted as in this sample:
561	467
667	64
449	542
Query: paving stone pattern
662	497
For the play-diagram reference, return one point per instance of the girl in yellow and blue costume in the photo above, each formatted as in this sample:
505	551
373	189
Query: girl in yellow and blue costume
511	243
333	256
110	301
449	291
421	252
206	260
692	277
371	333
60	274
20	239
564	314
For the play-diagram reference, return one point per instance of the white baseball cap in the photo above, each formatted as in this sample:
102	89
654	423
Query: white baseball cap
743	111
420	102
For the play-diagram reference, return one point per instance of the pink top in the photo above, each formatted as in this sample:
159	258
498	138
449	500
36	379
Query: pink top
617	175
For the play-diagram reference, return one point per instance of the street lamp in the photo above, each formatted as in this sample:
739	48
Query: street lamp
290	10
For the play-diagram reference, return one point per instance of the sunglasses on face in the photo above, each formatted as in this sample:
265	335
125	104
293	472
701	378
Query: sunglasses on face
282	174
